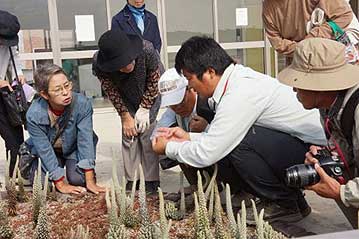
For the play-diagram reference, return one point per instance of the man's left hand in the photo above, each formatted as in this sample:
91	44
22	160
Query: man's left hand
159	145
327	187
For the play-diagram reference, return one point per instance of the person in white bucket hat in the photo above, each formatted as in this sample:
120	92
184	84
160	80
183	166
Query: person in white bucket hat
322	79
185	110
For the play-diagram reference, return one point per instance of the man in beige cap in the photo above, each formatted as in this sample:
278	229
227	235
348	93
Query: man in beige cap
322	79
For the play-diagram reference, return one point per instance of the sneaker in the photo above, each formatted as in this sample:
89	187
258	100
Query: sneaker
273	212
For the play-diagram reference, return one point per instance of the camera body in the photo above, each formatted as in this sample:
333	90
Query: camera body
302	175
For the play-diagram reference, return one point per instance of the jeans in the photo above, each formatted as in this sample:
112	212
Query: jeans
74	175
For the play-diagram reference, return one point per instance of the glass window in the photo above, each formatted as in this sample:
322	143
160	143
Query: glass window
229	32
187	18
252	57
33	16
79	71
67	10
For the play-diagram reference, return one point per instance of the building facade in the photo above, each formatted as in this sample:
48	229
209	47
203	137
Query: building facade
66	32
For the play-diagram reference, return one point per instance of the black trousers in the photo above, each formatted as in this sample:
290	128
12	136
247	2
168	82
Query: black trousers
13	136
257	165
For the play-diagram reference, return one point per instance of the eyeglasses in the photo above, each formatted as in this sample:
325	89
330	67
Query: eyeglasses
59	90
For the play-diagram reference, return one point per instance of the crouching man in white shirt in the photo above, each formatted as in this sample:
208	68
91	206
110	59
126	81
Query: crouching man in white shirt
259	129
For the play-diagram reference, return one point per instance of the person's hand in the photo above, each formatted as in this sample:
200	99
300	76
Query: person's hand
142	120
159	145
4	83
22	79
91	183
310	156
173	134
327	187
128	125
69	189
198	124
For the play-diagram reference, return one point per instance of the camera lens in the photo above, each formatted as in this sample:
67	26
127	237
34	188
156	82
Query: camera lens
301	175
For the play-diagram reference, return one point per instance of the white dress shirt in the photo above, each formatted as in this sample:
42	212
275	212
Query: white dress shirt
250	98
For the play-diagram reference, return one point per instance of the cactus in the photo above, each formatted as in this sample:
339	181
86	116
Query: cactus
182	203
211	182
42	228
133	190
80	233
263	229
5	229
147	231
164	224
210	205
117	232
12	198
203	227
112	207
220	232
10	187
39	195
115	180
229	209
122	200
242	222
21	192
171	212
142	199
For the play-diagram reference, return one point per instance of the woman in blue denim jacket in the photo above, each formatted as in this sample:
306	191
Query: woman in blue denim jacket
75	148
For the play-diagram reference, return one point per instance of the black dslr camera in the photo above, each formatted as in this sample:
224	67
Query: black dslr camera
302	175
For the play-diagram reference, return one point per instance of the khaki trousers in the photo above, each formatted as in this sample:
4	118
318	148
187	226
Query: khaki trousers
140	151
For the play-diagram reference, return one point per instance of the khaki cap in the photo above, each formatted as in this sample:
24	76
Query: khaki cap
319	64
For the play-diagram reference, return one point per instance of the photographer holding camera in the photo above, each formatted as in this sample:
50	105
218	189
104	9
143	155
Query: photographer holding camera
322	79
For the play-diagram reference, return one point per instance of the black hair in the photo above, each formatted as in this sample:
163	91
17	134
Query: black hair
198	54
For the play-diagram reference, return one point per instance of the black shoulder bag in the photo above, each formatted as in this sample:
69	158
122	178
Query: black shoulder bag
15	101
25	156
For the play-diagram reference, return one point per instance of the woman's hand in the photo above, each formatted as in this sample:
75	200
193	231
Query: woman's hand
66	188
91	183
128	125
4	83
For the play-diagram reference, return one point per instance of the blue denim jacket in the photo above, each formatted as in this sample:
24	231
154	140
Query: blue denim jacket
78	139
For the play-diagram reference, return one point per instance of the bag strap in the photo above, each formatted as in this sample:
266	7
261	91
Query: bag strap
347	119
66	121
13	64
337	31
